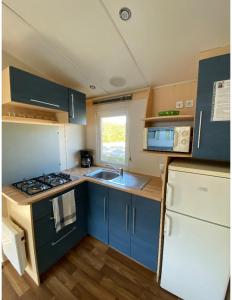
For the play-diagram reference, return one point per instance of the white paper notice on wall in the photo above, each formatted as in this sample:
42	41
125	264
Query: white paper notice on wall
221	101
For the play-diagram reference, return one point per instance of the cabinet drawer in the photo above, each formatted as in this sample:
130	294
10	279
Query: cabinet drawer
51	252
41	209
44	207
45	231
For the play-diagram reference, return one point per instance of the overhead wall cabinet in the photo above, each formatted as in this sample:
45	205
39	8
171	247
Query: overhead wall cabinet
30	89
27	97
211	137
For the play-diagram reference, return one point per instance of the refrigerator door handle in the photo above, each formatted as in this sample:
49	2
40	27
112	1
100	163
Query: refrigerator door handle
169	194
167	225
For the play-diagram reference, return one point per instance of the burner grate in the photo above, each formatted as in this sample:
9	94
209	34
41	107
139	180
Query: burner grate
40	184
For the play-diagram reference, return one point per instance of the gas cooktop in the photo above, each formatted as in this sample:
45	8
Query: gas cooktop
42	183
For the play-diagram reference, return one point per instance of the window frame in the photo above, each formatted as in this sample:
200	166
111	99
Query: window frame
106	114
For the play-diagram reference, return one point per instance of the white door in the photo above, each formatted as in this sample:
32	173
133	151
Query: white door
200	196
195	258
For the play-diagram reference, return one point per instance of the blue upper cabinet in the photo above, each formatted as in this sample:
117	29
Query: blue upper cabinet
145	219
98	218
211	138
30	89
77	107
119	220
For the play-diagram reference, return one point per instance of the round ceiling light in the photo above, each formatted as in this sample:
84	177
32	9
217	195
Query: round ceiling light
125	13
117	81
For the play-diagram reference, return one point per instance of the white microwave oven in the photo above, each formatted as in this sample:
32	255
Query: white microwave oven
174	139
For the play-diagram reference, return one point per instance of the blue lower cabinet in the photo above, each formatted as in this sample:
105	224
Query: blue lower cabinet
119	220
128	223
81	195
51	246
145	218
98	212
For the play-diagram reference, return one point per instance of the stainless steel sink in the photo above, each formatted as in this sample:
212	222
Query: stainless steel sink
133	181
127	180
103	174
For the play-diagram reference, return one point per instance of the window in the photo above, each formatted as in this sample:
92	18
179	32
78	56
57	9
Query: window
113	139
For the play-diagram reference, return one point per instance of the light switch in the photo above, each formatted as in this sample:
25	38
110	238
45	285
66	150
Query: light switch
179	104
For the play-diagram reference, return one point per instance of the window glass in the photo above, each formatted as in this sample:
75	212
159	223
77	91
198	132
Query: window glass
113	139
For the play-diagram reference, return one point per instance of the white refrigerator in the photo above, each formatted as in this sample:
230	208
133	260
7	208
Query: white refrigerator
196	264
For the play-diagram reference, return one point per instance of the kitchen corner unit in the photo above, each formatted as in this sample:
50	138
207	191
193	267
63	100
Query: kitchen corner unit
106	211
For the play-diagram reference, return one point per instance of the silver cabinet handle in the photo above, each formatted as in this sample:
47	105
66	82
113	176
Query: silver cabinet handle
72	106
43	102
104	209
64	236
127	217
199	130
133	220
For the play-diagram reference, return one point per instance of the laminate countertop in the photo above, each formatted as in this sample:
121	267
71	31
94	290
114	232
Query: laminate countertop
152	190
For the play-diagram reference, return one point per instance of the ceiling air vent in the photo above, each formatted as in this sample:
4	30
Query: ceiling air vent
114	99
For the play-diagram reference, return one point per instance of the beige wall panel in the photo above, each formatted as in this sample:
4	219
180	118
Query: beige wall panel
165	97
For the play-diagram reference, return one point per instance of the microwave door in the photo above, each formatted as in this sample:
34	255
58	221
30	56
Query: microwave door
160	139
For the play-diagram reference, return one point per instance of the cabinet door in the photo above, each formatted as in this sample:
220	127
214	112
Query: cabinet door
77	107
145	217
98	212
199	248
211	139
119	220
30	89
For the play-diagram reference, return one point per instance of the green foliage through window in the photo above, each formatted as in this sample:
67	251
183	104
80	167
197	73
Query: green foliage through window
113	138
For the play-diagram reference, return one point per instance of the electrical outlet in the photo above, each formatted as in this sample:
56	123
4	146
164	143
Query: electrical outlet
188	103
179	104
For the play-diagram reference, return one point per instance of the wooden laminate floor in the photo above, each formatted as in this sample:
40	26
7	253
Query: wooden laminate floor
91	270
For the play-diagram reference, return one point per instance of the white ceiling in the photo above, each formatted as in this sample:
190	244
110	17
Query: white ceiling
84	42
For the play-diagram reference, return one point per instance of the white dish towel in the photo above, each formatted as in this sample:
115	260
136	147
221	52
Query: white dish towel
64	210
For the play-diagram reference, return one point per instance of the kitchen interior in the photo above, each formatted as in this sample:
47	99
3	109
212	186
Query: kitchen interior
116	149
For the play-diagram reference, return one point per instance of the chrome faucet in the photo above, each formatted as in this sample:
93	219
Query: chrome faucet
118	170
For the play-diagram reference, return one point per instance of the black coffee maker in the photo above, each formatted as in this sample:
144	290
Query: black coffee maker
86	158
